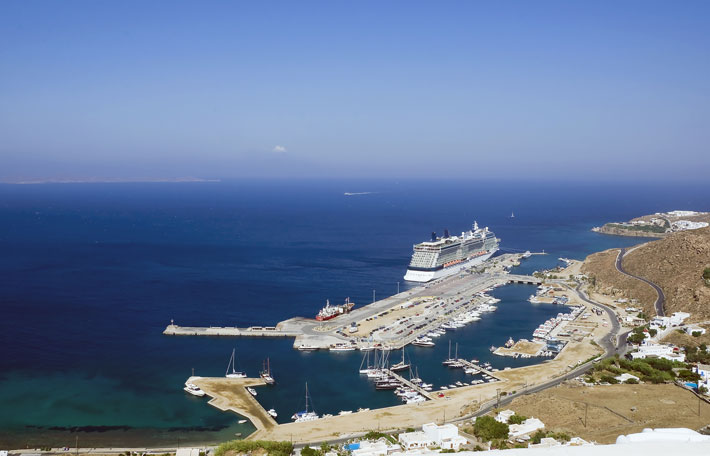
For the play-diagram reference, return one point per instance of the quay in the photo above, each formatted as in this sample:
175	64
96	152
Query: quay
254	331
230	394
390	323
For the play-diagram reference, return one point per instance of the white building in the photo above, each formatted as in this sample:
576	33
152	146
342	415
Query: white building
691	329
526	427
378	448
545	442
704	371
681	213
663	435
678	317
658	351
674	320
445	437
504	415
414	440
626	376
683	225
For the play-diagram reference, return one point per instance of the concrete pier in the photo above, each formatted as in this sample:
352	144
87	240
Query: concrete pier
229	331
231	394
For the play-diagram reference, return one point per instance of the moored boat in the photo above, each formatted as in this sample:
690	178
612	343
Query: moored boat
328	312
193	389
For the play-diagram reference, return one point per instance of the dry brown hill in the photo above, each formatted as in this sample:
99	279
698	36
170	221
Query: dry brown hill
675	263
610	282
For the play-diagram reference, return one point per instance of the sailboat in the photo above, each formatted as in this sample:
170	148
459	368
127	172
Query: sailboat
449	360
265	374
305	415
512	215
368	368
400	365
233	373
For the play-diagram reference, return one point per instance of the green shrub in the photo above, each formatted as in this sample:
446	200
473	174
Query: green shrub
537	436
517	419
487	428
631	381
560	436
609	379
308	451
247	446
696	334
688	375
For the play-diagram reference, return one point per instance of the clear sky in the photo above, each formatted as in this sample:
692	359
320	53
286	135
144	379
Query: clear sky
581	89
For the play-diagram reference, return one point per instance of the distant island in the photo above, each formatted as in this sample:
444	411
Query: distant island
657	225
102	180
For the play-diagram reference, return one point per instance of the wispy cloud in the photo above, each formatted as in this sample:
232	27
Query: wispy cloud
279	149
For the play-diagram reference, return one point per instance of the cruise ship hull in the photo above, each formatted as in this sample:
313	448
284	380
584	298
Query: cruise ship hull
427	276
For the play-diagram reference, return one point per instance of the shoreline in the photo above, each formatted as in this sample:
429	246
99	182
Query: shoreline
454	404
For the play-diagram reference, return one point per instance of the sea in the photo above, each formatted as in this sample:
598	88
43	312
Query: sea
91	274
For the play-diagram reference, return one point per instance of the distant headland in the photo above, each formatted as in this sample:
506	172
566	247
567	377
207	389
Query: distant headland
657	225
102	180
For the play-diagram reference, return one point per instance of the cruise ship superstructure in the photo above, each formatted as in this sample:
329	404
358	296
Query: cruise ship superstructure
446	255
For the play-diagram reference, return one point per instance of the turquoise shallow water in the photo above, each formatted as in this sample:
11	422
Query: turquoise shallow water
91	274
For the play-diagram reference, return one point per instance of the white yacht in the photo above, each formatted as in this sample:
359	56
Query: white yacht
193	389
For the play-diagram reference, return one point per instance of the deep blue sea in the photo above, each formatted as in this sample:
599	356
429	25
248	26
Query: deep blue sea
90	275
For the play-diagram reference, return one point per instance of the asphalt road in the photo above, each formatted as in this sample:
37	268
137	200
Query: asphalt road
660	300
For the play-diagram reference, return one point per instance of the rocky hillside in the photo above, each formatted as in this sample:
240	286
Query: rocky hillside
675	263
610	282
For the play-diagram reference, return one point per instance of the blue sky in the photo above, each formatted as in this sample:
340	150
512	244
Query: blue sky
590	90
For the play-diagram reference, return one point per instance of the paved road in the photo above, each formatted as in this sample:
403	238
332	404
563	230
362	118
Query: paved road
660	300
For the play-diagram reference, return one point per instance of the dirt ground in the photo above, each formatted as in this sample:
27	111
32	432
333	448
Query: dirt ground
613	410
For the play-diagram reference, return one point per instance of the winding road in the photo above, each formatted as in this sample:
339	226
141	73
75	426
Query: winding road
660	300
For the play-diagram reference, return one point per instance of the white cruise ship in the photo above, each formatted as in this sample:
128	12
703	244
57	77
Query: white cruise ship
443	256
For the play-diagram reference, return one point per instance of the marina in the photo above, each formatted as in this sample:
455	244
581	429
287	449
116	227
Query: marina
391	323
444	308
